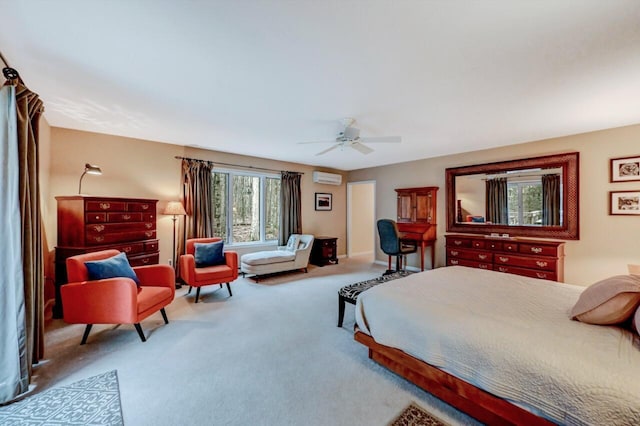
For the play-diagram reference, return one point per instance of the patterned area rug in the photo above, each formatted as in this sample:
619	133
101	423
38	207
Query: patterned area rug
92	401
416	416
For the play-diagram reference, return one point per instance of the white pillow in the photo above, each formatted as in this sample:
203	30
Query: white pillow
292	244
610	301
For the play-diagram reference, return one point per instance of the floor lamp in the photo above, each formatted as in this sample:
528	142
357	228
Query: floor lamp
176	209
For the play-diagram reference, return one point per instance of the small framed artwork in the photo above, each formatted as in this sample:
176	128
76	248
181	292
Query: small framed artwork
625	169
324	201
624	203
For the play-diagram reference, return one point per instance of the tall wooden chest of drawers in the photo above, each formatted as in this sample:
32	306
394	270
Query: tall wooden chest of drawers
87	224
521	256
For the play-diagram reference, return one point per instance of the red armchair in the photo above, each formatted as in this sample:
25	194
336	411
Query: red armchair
218	274
115	300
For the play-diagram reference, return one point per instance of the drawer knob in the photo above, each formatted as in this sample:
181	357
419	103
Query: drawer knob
541	275
148	225
148	233
454	252
98	228
457	242
536	249
127	249
541	263
145	260
98	239
482	266
454	261
482	256
105	206
502	269
145	206
126	217
97	217
503	259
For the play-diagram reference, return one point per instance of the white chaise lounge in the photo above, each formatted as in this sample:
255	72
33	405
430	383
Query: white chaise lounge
295	255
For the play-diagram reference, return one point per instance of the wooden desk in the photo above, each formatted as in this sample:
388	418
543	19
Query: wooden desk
417	218
424	235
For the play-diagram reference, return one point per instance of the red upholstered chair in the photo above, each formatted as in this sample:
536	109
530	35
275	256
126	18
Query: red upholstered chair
115	300
209	275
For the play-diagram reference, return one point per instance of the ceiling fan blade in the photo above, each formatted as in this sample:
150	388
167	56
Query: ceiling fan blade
327	141
382	139
361	148
328	149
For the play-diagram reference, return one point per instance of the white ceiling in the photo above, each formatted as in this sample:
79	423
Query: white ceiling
256	77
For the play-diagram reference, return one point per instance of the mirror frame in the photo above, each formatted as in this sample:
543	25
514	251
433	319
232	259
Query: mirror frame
570	229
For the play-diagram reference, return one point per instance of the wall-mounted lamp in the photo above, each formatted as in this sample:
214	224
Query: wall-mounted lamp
90	169
176	209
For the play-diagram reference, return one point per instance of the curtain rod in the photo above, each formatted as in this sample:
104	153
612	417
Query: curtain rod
234	165
9	73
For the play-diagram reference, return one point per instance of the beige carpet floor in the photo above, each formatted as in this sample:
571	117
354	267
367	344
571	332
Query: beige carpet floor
269	355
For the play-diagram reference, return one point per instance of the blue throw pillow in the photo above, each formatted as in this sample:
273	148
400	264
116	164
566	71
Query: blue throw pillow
209	254
112	267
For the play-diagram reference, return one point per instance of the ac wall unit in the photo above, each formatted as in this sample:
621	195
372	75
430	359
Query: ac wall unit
327	178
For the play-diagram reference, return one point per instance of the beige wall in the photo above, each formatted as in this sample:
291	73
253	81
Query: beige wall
607	243
362	218
145	169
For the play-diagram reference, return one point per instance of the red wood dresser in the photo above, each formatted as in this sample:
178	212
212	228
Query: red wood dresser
88	224
521	256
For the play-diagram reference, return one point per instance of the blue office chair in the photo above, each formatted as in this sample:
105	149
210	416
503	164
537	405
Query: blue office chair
392	245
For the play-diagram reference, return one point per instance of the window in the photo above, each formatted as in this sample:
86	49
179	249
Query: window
525	202
246	206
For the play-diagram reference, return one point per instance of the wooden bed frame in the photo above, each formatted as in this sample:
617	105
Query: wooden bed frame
467	398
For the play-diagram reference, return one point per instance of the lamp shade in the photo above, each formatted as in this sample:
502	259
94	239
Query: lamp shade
174	208
92	169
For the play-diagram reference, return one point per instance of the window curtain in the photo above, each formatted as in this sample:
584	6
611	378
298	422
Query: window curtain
290	206
497	206
551	200
197	186
21	261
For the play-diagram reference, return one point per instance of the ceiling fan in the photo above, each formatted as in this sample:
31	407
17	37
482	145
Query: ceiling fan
350	137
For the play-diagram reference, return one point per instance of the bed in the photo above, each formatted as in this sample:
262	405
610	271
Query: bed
502	348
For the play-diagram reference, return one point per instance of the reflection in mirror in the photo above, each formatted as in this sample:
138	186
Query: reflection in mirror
529	197
535	197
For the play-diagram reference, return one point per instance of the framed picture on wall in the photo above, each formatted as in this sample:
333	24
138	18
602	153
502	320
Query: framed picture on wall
324	200
625	169
624	203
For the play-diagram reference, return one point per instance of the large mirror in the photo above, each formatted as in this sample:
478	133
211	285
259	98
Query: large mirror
533	197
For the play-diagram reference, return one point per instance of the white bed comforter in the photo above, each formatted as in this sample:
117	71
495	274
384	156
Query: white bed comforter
511	336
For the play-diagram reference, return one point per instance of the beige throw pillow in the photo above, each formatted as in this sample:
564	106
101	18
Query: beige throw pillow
610	301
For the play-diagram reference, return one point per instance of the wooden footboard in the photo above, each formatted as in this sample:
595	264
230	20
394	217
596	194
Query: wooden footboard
467	398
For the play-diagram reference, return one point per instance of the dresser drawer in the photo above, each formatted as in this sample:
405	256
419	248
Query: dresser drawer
482	256
96	217
124	217
469	263
458	242
132	248
140	207
109	228
527	262
538	249
544	275
151	246
105	206
145	259
95	238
